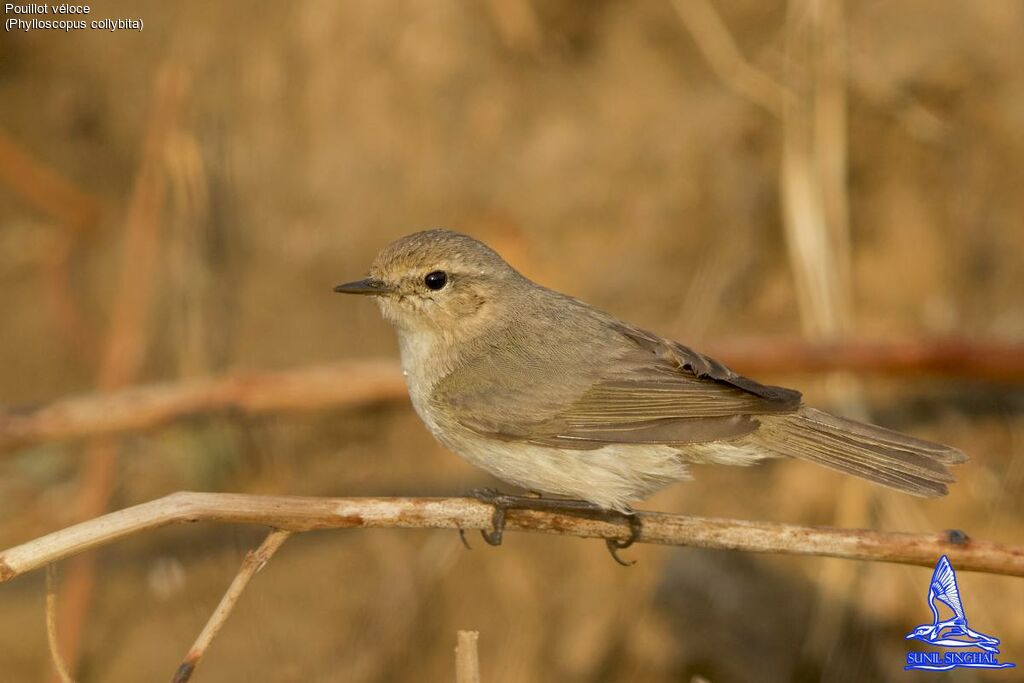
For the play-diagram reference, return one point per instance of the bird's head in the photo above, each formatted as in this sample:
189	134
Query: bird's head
439	280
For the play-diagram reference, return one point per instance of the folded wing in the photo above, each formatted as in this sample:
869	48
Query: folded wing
641	390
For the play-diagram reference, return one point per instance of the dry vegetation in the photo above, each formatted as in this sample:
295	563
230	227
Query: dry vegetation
177	204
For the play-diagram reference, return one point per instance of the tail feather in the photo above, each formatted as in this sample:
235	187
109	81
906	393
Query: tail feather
880	455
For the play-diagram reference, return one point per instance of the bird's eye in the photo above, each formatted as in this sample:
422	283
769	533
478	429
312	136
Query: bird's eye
436	280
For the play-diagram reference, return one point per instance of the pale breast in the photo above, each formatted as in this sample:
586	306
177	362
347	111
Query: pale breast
423	365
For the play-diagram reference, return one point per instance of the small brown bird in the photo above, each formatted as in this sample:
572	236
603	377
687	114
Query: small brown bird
552	395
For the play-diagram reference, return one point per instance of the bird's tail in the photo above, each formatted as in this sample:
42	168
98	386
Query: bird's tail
866	451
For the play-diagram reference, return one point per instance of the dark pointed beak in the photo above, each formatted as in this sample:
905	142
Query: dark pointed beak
366	286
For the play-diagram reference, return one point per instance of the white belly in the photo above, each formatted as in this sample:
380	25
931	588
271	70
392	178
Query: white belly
613	476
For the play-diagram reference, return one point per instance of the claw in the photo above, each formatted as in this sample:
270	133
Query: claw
614	545
494	536
502	503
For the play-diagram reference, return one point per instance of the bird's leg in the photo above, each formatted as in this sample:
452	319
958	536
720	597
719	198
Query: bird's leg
502	502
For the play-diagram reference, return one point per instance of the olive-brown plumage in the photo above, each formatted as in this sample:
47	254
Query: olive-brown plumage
551	394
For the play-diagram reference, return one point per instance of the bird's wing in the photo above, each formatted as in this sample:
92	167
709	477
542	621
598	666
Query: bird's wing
639	389
671	361
944	585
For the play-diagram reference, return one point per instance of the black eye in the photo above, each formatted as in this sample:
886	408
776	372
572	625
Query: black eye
436	280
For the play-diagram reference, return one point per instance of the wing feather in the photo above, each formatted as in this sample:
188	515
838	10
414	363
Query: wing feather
636	388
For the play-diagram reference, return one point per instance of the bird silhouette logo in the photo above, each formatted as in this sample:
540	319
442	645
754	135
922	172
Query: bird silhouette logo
953	632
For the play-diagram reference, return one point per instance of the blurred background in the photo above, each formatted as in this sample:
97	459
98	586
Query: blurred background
177	203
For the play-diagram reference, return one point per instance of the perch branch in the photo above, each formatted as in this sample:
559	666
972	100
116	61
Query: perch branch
297	514
253	562
356	383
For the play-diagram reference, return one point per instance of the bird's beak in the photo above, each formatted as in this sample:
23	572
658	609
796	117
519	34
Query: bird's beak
366	286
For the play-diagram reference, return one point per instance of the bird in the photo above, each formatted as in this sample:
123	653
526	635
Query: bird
557	397
952	632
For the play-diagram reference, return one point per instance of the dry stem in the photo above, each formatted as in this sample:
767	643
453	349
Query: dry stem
467	659
253	562
51	625
293	513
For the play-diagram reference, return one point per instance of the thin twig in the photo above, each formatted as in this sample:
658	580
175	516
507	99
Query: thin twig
51	625
467	659
359	383
719	49
253	562
295	513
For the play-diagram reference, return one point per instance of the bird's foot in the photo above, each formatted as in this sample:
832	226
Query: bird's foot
503	502
614	545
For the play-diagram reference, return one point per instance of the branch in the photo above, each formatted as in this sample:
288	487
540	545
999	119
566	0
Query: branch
357	383
255	393
253	562
297	514
991	360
